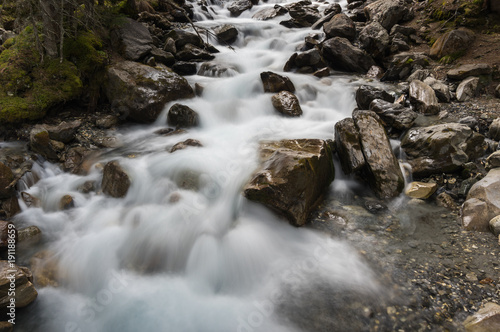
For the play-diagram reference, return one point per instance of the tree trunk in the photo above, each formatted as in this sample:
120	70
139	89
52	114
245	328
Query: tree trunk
50	15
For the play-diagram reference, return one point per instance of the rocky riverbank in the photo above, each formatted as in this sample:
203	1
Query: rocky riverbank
426	85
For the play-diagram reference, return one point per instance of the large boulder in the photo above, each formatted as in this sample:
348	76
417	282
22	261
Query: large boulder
342	55
115	180
374	39
452	43
182	116
423	98
226	33
20	279
394	115
6	178
348	146
303	13
464	71
441	89
441	148
403	64
286	103
292	177
386	177
467	89
340	26
273	82
140	92
483	202
367	93
386	12
132	39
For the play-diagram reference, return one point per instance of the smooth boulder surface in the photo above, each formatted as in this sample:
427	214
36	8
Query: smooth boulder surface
132	39
115	180
140	92
348	146
286	103
424	98
441	148
340	26
342	55
292	177
273	82
452	43
483	202
420	190
386	178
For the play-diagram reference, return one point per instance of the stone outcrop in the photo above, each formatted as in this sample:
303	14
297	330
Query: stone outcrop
374	39
467	89
292	177
140	92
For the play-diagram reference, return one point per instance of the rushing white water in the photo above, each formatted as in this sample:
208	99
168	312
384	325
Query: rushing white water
184	251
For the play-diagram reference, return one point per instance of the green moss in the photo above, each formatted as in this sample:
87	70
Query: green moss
86	52
447	59
409	61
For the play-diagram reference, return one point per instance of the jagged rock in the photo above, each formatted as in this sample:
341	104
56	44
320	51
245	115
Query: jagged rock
451	43
162	56
386	177
158	20
181	38
393	115
140	92
467	89
398	44
367	93
441	90
132	39
386	12
292	177
342	55
286	103
321	22
191	52
441	148
303	13
340	26
487	319
333	8
469	121
403	64
423	98
185	144
494	130
23	280
375	72
495	227
420	190
464	71
41	143
483	202
211	69
63	132
306	62
182	116
6	178
239	6
7	232
169	46
348	146
226	33
374	39
75	158
31	234
273	82
419	74
269	13
115	180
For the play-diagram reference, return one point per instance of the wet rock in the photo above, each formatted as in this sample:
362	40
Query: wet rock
182	116
303	13
452	43
239	6
163	57
184	68
181	38
66	202
10	207
493	160
45	267
107	121
495	226
420	190
308	61
374	39
487	319
292	177
211	69
6	178
386	177
273	82
75	159
185	144
321	22
465	71
342	55
115	180
269	13
467	89
375	72
87	187
31	234
140	92
340	26
193	53
7	232
25	291
348	146
63	132
29	200
441	148
393	115
226	33
386	12
423	97
41	143
494	130
324	72
403	64
419	74
132	39
286	103
367	93
333	8
441	89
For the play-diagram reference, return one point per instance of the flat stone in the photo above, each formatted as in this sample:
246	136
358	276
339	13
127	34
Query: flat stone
464	71
420	190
